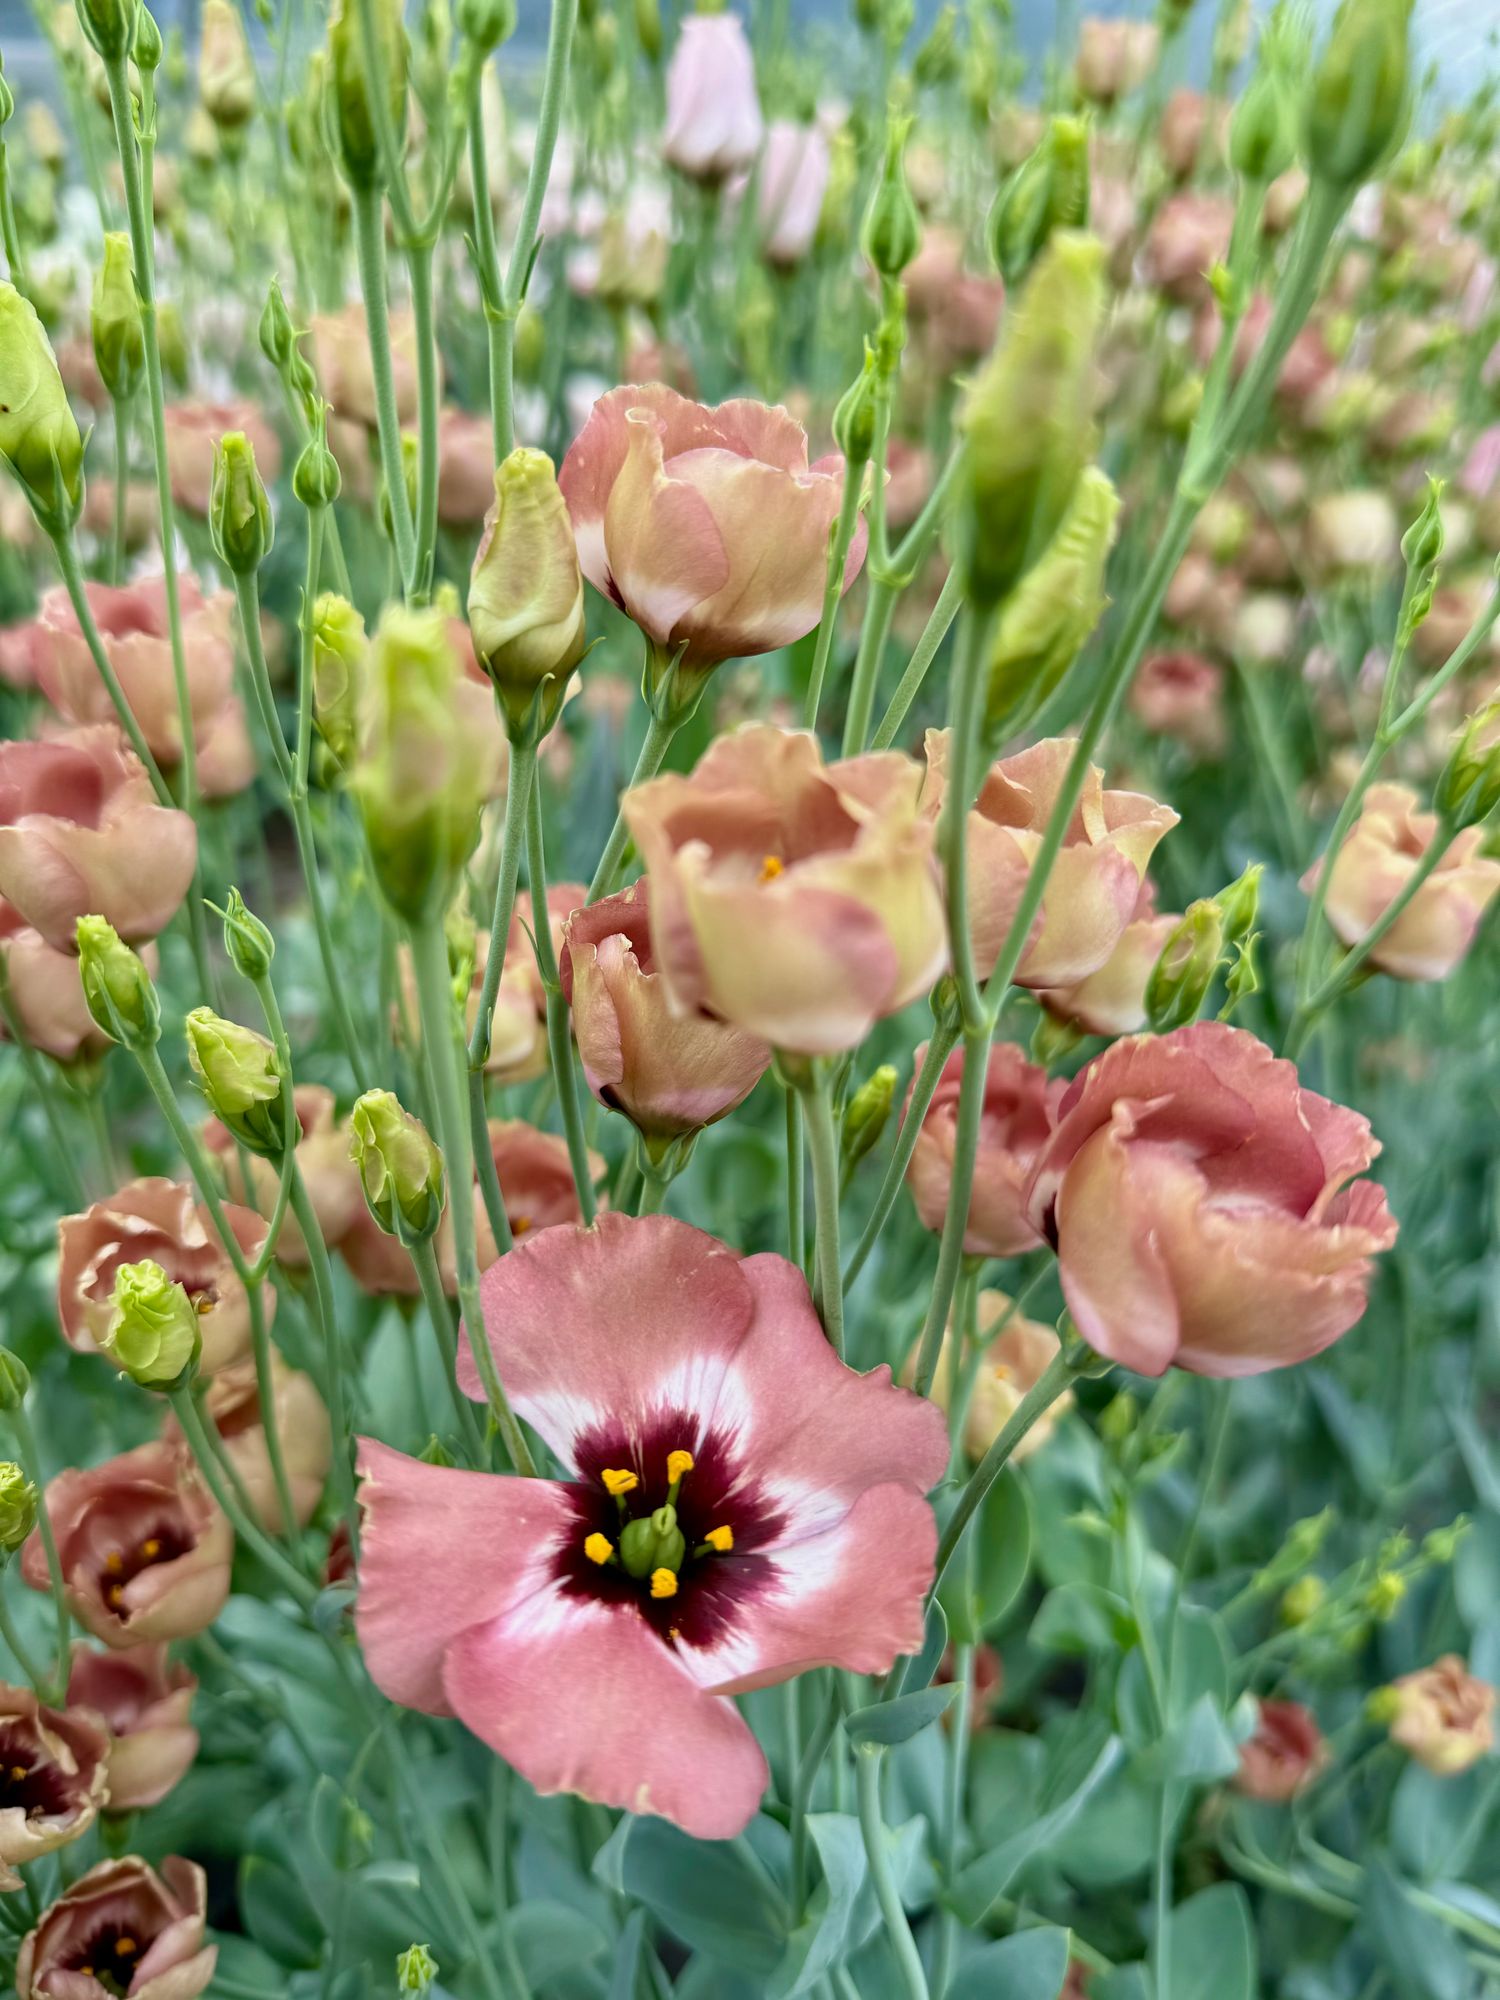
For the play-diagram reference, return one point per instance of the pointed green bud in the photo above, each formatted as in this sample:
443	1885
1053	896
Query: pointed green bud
1183	973
1049	616
1028	418
1240	902
1119	1418
854	418
17	1507
7	99
116	986
316	479
400	1167
1303	1600
115	321
1469	788
147	49
340	653
1047	192
1262	131
648	29
40	443
416	1971
526	594
15	1380
1359	102
240	1076
277	334
153	1334
485	24
247	941
108	26
892	232
239	514
1422	551
352	114
866	1114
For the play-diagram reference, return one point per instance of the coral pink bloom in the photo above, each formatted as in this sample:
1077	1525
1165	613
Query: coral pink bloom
1444	1716
194	428
1205	1207
1095	883
1182	695
145	1553
713	109
145	1704
1188	237
790	186
1379	855
1286	1752
807	1539
52	1778
1112	1001
1016	1122
341	356
149	1924
708	527
796	900
536	1182
669	1073
81	835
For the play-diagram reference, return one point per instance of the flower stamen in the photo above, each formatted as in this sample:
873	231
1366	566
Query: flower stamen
599	1549
719	1539
663	1583
771	867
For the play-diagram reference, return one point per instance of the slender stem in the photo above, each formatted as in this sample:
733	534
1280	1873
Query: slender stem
369	238
933	634
559	1018
823	1148
941	1044
487	261
31	1465
971	1089
424	1257
512	840
9	233
72	576
265	1386
245	1526
122	482
808	1767
658	741
953	1811
333	1356
424	548
484	1161
796	1196
833	588
965	748
867	1765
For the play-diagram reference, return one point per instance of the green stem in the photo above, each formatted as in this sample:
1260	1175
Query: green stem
559	1018
265	1386
31	1464
72	576
933	634
658	741
484	1161
867	1765
953	1813
122	482
333	1356
941	1044
245	1526
369	238
796	1198
823	1148
424	547
808	1767
424	1257
833	588
512	840
971	1090
8	230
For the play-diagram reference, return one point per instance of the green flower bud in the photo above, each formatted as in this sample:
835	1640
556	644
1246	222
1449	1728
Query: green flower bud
866	1114
421	775
116	986
485	24
1119	1418
247	941
172	341
351	108
316	479
1384	1596
937	60
339	655
416	1970
1303	1600
1382	1706
153	1334
1307	1536
1047	192
17	1507
400	1167
526	594
1360	98
1051	612
115	321
1240	903
1183	973
240	1075
108	26
531	344
147	49
239	514
15	1380
855	416
7	99
1028	418
1262	131
648	28
39	440
226	69
892	233
1469	788
277	335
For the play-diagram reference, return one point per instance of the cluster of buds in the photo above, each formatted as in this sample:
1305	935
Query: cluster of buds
1214	933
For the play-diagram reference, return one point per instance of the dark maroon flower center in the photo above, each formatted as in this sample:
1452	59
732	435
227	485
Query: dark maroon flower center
726	1524
162	1541
28	1777
109	1957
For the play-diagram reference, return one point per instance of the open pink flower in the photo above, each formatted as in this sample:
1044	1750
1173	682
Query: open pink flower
708	527
669	1073
1095	882
642	1349
1205	1207
125	1929
1019	1108
1181	694
194	428
796	900
145	1703
713	109
52	1778
1444	1716
536	1183
1190	234
81	835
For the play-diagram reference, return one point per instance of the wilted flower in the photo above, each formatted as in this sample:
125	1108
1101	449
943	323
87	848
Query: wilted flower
123	1928
1286	1753
692	1554
713	110
1019	1109
146	1705
1444	1716
52	1778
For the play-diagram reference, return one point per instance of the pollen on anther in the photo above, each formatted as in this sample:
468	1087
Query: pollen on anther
151	1548
678	1464
721	1539
771	867
663	1583
598	1548
618	1481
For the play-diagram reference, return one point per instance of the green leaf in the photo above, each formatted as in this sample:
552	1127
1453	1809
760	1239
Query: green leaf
1032	1965
897	1721
278	1915
1422	1955
1082	1618
977	1593
1431	1816
991	1874
829	1933
551	1940
1213	1947
704	1891
1197	1750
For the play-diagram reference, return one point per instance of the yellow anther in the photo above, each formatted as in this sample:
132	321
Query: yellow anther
114	1562
663	1583
17	1773
598	1548
151	1548
124	1946
204	1304
519	1224
721	1539
619	1482
771	867
678	1463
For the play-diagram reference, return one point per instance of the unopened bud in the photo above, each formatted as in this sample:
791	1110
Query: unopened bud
108	26
1048	191
892	233
15	1380
416	1970
1051	612
1385	1596
526	594
486	23
17	1507
353	116
277	334
240	1075
147	49
115	323
1469	788
400	1167
239	514
316	479
1240	902
40	443
854	417
116	986
1185	970
247	941
1119	1419
1441	1545
153	1334
1262	131
1382	1706
339	653
866	1114
1303	1600
226	70
648	28
1360	98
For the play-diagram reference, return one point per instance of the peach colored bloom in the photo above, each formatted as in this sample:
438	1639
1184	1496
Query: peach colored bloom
1445	1716
713	109
160	1220
1019	1109
1115	57
466	468
1112	1001
194	428
536	1182
47	993
146	1705
806	1537
1006	1366
1354	530
341	356
1190	234
1192	129
1380	852
52	1778
1182	695
145	1553
1095	883
232	1405
150	1923
669	1073
956	311
795	900
707	527
790	186
140	511
81	835
1286	1753
1205	1207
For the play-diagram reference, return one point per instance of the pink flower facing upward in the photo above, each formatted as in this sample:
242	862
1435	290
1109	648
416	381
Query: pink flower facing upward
1205	1207
742	1507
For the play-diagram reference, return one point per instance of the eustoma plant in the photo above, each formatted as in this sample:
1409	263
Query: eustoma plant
826	1329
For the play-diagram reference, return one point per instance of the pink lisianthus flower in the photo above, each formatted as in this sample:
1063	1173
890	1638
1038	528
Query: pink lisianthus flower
145	1703
790	187
1205	1208
713	107
1020	1107
150	1924
665	1371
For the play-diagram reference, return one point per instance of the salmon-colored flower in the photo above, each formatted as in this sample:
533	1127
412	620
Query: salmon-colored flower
466	467
1189	235
341	356
713	109
194	428
1005	1366
1182	694
47	993
740	1507
1380	852
145	1702
1286	1752
1095	883
1444	1716
708	527
52	1778
232	1405
1206	1208
81	835
328	1173
536	1181
125	1929
145	1553
1112	1001
796	900
1020	1105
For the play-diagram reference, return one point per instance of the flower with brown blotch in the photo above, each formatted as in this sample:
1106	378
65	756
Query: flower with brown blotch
81	835
1095	883
1006	1366
1020	1106
1181	694
194	428
668	1072
160	1220
124	1929
232	1406
52	1778
1380	853
1206	1209
1444	1716
796	900
1286	1752
145	1702
145	1553
1112	1001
